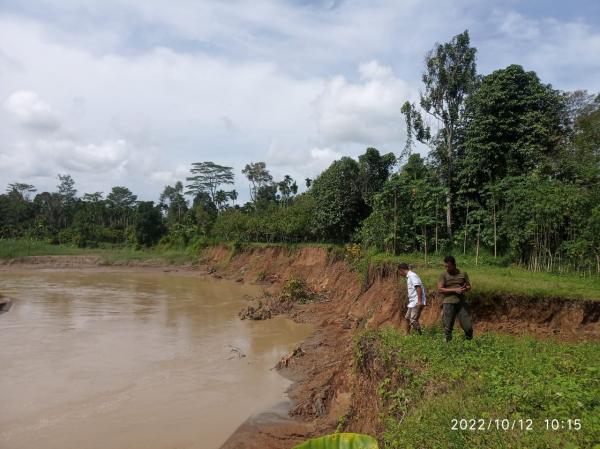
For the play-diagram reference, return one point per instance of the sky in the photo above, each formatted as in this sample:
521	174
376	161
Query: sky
132	92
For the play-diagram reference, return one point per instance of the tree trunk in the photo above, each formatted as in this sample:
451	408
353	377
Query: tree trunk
425	239
466	224
449	184
495	237
477	250
449	215
436	226
395	220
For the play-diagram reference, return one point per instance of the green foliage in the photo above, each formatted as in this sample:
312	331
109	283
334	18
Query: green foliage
340	441
297	290
514	124
339	205
173	203
374	170
450	77
258	175
407	213
269	224
492	377
207	177
148	224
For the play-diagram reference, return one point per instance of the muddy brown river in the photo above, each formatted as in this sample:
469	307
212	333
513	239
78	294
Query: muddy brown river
119	360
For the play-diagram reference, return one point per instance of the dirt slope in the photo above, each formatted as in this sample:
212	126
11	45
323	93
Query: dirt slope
327	387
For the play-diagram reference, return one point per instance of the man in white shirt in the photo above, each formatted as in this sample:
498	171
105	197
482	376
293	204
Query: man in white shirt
416	298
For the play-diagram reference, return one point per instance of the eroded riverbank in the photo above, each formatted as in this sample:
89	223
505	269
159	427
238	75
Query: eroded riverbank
111	358
326	392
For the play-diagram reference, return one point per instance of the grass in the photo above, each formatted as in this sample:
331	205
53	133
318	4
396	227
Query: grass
12	249
490	278
428	383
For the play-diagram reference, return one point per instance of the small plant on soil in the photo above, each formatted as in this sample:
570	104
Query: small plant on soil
297	290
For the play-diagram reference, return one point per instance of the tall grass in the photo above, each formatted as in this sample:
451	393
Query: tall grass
427	384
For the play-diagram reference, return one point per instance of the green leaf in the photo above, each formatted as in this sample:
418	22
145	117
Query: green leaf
340	441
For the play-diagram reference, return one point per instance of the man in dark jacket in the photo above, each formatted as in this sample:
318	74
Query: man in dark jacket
453	284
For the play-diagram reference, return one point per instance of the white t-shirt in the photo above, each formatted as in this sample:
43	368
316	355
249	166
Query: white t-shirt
412	280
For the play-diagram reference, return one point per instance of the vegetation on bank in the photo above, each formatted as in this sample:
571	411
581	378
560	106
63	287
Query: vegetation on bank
426	385
489	277
512	170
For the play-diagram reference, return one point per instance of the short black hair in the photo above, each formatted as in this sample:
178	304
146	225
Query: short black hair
450	259
403	266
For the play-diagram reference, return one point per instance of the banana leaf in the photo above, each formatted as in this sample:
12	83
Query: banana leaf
340	441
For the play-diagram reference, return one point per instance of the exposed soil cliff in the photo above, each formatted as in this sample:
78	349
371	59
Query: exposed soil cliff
328	390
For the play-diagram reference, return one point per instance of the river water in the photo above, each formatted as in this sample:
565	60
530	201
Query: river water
118	360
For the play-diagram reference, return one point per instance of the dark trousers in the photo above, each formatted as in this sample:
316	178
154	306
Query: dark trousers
460	310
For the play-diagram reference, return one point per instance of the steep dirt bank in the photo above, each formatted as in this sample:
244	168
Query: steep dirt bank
328	391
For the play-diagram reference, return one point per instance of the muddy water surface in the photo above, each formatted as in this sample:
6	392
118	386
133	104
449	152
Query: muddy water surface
114	360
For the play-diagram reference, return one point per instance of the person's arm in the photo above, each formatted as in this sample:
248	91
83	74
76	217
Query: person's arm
419	290
467	285
442	289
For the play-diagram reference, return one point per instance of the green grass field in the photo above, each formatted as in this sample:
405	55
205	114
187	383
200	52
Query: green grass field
429	384
490	278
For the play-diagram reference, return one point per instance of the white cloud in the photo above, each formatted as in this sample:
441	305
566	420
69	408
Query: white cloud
366	112
31	112
561	52
130	93
300	162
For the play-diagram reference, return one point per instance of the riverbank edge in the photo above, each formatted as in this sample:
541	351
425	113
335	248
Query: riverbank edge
326	392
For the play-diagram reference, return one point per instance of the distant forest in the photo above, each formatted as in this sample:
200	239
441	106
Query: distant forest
512	171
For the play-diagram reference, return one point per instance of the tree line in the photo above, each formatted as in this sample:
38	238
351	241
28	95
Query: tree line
512	169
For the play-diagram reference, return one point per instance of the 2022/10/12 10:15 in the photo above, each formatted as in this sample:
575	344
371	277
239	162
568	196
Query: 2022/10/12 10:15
481	424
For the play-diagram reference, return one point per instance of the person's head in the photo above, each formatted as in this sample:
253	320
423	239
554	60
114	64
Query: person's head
450	263
403	269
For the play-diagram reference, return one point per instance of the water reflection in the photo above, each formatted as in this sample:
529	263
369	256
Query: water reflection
114	360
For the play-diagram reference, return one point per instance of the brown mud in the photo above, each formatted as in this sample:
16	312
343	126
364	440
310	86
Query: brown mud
329	392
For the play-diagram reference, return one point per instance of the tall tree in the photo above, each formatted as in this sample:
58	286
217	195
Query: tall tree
66	189
22	189
374	170
339	205
287	188
121	202
514	124
208	177
148	224
584	151
222	197
450	76
258	175
173	202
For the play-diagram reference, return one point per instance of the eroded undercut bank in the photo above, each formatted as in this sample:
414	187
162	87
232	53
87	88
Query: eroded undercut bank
346	374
